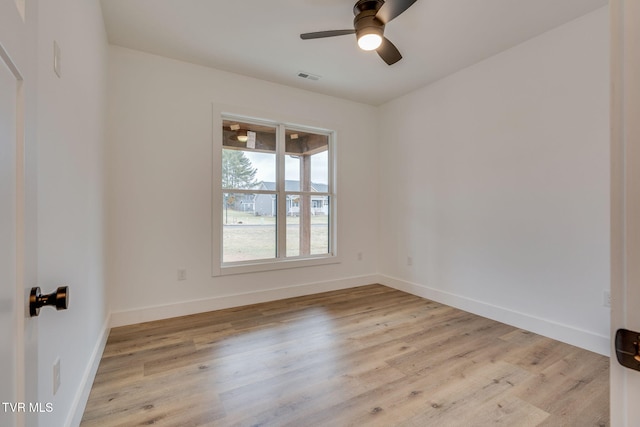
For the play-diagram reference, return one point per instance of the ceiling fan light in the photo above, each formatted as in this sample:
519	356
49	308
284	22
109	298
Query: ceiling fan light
369	41
242	135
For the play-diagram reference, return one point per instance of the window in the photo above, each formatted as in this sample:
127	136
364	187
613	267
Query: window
277	194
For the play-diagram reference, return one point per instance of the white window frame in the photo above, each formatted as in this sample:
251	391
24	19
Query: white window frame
220	268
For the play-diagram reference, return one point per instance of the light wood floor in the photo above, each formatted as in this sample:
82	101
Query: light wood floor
368	356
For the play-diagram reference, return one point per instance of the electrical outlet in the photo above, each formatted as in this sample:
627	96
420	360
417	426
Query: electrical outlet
56	376
409	261
359	256
606	298
182	274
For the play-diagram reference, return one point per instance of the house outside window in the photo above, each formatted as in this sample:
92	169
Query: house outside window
278	195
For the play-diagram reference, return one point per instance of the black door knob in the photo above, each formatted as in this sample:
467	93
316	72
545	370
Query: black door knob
58	299
628	349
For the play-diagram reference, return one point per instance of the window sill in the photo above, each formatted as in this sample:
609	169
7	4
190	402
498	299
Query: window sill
270	265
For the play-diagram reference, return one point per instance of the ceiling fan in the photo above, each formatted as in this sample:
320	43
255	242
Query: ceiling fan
371	17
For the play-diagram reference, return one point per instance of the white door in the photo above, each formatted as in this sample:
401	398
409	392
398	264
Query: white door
8	279
625	201
17	332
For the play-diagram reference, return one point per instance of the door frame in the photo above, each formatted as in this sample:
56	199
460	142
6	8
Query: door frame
624	17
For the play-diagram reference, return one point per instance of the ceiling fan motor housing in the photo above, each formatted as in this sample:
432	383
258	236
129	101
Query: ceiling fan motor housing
365	21
363	5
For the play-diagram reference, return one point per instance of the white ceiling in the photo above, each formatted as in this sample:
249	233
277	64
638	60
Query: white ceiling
260	38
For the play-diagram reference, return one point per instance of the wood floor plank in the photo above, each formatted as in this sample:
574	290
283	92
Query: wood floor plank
370	356
473	397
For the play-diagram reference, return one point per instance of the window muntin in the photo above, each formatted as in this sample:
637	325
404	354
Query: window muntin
277	188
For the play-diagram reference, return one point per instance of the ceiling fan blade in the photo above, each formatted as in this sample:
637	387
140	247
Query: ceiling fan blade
392	8
388	52
323	34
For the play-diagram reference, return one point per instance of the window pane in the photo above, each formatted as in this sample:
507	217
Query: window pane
249	227
307	224
292	173
320	171
293	236
248	156
306	161
320	216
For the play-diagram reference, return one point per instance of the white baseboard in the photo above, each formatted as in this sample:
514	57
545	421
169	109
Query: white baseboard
82	395
148	314
548	328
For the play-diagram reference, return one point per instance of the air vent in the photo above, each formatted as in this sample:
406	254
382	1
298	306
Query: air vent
308	76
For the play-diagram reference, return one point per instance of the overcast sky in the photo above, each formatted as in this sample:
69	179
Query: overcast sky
265	163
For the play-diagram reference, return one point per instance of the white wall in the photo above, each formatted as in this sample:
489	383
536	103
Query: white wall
495	180
71	216
160	186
